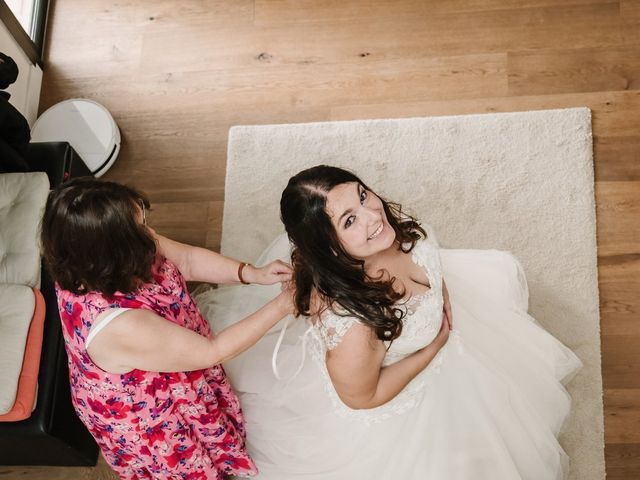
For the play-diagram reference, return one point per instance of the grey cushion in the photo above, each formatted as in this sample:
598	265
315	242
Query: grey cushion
22	200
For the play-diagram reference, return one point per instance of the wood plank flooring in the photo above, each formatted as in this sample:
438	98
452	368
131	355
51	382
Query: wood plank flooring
177	75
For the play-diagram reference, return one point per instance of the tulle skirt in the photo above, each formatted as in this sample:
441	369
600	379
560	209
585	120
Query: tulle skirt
490	407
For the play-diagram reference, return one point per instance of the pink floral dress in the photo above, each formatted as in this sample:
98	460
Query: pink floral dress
185	425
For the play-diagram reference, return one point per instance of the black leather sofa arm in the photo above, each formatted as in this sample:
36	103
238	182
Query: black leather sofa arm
57	159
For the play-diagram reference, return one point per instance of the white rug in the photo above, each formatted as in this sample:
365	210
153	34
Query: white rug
513	181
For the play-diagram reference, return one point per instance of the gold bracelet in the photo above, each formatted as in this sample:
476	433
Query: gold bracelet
240	268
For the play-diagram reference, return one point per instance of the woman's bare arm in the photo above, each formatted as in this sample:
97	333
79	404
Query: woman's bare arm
203	265
141	339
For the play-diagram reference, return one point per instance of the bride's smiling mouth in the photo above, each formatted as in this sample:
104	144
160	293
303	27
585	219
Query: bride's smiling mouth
377	232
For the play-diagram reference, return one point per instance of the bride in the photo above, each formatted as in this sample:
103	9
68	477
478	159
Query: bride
424	362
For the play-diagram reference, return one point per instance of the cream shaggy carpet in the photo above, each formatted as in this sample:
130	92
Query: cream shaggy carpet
513	181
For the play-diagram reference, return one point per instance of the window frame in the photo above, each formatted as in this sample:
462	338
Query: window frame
33	49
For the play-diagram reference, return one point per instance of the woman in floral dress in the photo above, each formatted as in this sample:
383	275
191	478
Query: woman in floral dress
144	367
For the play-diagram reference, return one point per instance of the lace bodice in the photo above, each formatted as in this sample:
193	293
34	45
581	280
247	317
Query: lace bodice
421	325
424	312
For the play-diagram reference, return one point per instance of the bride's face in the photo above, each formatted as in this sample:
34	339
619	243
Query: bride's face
359	219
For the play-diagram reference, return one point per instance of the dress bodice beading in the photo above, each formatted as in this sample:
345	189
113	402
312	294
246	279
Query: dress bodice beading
421	325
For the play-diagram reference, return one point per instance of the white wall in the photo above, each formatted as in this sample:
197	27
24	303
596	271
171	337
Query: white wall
25	92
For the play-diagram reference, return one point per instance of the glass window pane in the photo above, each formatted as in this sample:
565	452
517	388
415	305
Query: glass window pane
23	10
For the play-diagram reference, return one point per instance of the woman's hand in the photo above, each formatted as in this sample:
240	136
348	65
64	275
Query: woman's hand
274	272
443	335
446	309
286	298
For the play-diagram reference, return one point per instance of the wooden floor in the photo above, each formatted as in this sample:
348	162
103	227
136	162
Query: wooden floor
177	74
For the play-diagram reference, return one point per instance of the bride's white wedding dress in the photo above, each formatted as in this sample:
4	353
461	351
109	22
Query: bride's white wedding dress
489	406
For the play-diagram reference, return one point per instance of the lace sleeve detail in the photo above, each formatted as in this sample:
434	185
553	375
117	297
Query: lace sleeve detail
333	327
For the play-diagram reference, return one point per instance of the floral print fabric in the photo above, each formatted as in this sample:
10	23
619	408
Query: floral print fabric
185	425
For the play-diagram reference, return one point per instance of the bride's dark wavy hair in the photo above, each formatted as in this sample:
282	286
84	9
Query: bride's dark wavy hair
320	262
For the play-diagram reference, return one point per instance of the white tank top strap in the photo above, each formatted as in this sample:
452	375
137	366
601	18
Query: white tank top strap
105	321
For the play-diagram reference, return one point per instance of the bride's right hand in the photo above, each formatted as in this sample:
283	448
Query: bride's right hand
443	334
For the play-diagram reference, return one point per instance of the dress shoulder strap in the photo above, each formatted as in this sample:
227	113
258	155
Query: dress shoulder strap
332	327
432	239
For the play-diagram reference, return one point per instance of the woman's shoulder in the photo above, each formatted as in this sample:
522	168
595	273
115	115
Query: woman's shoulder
90	302
165	274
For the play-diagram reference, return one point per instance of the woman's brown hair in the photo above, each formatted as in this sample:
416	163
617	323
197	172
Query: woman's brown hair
92	240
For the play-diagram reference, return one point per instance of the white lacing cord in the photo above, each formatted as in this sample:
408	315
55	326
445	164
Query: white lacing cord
274	357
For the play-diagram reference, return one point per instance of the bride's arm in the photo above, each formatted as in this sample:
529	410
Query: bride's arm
355	367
